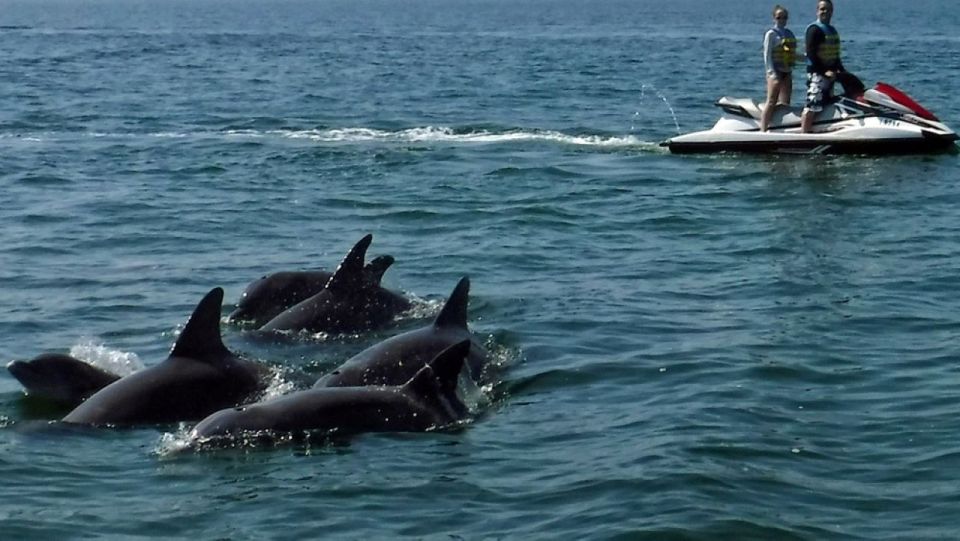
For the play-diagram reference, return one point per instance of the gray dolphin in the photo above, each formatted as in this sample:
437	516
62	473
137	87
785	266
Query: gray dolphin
69	381
199	377
396	359
350	301
267	297
60	378
427	401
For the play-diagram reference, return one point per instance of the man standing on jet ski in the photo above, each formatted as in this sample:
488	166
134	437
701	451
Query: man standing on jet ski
823	65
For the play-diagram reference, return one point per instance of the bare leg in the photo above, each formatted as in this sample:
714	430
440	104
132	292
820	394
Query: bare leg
806	121
773	91
786	89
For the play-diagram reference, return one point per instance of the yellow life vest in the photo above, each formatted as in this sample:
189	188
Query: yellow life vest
829	51
784	51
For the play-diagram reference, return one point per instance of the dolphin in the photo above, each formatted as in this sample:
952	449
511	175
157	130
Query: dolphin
427	401
350	301
396	359
267	297
199	377
69	381
60	378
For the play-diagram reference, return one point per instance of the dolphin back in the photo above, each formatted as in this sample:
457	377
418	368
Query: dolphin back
350	274
436	383
200	338
375	269
264	299
454	311
395	360
351	301
427	401
199	377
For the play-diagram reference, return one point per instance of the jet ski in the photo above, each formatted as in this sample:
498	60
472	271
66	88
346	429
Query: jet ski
880	120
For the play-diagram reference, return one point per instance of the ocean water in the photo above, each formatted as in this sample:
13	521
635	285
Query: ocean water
696	347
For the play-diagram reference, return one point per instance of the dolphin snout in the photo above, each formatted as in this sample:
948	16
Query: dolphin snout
19	369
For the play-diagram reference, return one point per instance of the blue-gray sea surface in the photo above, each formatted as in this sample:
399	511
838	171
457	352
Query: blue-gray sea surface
697	347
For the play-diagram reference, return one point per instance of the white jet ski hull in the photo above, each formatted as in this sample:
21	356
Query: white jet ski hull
873	124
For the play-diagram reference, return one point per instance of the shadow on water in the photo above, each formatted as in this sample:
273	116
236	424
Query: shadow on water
31	408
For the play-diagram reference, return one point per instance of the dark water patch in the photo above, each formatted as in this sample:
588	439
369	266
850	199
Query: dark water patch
928	467
44	219
28	408
34	179
805	374
257	124
548	381
40	251
732	529
534	172
210	169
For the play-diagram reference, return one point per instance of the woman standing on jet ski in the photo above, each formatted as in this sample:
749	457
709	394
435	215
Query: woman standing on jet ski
779	54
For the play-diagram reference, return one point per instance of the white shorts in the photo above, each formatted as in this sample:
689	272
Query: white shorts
818	90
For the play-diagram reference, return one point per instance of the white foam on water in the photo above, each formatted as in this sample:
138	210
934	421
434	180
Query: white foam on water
121	363
171	443
441	134
277	385
423	135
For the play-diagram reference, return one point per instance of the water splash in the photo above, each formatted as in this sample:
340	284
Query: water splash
421	308
118	362
172	443
663	98
277	384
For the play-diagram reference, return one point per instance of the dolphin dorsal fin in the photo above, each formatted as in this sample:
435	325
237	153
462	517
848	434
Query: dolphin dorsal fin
439	377
350	271
374	270
200	338
454	311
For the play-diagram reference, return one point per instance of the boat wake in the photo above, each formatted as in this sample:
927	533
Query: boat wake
356	135
441	134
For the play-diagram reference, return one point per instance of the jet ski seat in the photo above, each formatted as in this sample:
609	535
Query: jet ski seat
739	106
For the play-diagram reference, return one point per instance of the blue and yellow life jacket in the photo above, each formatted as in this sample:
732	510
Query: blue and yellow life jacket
784	51
829	51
